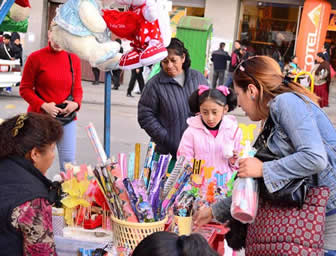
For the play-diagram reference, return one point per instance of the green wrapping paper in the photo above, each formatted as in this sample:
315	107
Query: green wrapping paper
9	25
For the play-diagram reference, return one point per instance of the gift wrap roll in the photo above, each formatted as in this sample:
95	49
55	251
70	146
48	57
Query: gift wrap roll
184	225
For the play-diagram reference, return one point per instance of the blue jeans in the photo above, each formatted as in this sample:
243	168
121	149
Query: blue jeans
330	253
67	145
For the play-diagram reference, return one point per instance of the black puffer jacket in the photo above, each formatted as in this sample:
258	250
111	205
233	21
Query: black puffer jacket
163	109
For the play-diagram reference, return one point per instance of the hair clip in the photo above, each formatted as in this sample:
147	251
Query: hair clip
19	124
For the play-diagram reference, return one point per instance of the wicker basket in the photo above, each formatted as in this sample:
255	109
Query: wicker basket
130	234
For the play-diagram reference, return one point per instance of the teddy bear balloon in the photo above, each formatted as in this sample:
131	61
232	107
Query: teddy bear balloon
146	24
20	10
78	27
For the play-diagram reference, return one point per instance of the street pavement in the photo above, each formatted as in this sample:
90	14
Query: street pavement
125	131
94	94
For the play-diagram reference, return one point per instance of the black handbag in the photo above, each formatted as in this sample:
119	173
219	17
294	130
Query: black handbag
292	194
70	117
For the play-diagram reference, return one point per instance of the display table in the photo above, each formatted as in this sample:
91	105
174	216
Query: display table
74	239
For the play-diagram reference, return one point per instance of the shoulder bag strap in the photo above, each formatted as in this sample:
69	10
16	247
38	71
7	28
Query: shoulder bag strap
10	57
72	74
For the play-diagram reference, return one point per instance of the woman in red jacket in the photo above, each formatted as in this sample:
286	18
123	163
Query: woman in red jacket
48	76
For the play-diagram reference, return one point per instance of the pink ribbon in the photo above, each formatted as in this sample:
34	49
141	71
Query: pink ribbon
202	88
223	89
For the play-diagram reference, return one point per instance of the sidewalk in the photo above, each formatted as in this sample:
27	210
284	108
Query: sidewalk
94	94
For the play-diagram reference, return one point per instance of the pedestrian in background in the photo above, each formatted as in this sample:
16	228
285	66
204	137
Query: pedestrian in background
322	79
219	59
50	75
116	73
163	107
136	76
16	46
326	52
6	52
302	140
292	68
96	74
235	60
27	145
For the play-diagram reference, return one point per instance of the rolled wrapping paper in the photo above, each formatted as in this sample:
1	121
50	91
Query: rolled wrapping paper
176	189
159	200
145	174
133	199
131	160
244	200
178	168
152	174
122	160
137	161
126	205
102	158
155	182
149	155
140	189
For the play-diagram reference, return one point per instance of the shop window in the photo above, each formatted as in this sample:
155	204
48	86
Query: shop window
268	27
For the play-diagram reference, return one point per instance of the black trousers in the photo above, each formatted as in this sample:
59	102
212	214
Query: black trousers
96	73
136	77
116	77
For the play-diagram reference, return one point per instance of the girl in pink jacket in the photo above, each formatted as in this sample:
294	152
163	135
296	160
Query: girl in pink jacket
212	135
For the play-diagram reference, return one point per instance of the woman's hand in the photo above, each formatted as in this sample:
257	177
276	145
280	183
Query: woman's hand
51	109
71	107
203	216
250	168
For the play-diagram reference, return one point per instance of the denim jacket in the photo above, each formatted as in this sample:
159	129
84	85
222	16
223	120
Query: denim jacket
305	139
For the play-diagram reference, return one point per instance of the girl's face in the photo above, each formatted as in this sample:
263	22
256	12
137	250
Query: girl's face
212	113
173	63
248	102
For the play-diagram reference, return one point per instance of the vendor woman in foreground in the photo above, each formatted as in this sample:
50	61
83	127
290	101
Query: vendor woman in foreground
27	144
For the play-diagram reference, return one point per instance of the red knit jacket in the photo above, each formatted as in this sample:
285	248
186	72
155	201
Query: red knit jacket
48	72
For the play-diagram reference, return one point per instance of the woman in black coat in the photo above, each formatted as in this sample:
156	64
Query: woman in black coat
163	107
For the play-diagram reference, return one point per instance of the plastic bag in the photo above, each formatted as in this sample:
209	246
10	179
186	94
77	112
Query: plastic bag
245	200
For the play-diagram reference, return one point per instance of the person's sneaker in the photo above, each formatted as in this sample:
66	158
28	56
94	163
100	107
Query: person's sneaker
130	60
129	95
154	53
115	88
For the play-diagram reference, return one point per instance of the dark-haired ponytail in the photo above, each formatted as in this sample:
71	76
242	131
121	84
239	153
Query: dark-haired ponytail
193	102
231	100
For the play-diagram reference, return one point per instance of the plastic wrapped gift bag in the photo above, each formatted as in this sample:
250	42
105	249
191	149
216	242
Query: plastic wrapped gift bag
245	200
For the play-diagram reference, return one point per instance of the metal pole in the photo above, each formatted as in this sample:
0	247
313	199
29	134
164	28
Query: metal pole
297	28
107	113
